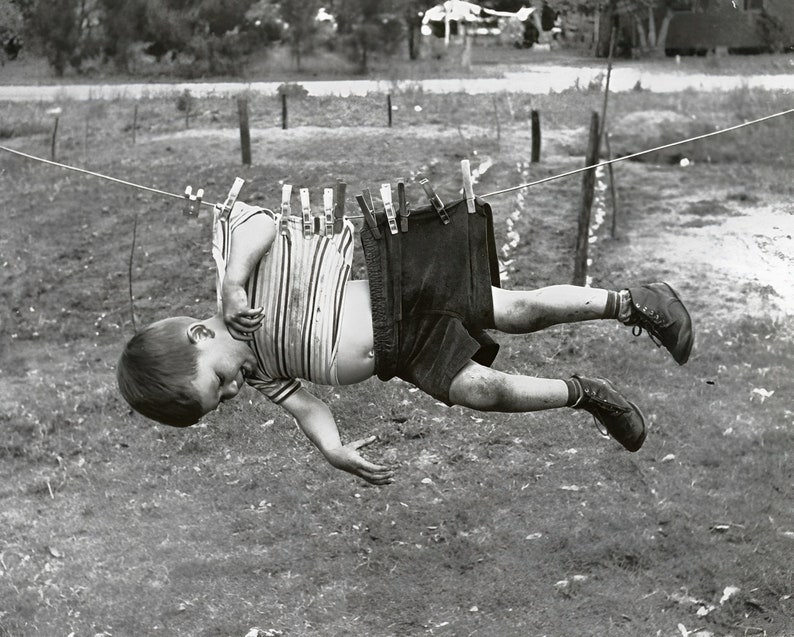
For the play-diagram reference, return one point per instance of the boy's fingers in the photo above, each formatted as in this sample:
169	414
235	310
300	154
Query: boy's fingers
252	312
240	335
378	478
242	322
363	442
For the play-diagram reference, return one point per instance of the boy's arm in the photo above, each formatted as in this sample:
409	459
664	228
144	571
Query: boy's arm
250	242
316	421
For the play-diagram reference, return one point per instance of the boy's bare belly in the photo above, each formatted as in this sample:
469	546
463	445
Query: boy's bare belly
356	355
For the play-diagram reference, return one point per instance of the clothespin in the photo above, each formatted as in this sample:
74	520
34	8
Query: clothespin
468	185
306	213
192	202
402	206
385	195
286	208
365	203
231	198
328	209
339	205
437	204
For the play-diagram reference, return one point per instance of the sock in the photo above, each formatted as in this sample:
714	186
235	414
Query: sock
624	306
613	305
574	392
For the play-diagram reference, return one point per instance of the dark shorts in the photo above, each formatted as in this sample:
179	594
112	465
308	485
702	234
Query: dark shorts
431	295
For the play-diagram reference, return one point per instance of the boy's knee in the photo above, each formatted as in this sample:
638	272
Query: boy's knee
478	387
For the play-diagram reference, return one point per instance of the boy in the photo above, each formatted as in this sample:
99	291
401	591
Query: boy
288	310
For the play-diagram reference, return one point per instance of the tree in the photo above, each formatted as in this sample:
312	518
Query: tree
125	23
300	17
645	14
56	25
367	25
223	16
641	24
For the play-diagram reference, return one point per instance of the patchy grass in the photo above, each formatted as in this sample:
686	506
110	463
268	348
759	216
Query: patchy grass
498	524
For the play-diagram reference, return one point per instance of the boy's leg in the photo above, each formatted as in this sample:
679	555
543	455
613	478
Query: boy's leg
486	389
524	311
655	308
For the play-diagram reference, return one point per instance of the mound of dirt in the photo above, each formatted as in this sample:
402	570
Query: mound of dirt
639	131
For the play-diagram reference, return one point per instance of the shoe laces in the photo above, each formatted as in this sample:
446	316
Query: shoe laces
603	405
600	426
637	330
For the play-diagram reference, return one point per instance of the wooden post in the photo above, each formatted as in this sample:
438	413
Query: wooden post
608	80
588	193
612	190
245	133
496	120
605	134
134	123
284	111
388	106
54	140
535	136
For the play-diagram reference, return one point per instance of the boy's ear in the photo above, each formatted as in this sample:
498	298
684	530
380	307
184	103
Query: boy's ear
197	332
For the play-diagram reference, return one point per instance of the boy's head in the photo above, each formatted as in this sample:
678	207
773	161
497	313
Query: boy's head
176	370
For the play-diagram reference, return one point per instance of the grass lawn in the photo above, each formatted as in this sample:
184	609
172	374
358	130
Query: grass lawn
499	524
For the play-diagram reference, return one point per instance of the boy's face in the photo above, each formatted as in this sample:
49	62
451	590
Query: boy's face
223	363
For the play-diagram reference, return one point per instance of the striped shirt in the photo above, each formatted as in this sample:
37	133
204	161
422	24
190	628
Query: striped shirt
301	285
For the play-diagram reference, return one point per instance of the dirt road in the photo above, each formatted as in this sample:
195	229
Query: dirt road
540	80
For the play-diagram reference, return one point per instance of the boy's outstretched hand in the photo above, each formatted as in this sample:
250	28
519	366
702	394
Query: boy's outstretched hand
348	459
241	320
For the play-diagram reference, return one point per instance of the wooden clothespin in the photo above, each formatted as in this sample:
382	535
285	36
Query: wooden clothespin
286	208
468	185
365	203
402	206
339	205
306	213
328	210
385	195
435	201
192	202
226	207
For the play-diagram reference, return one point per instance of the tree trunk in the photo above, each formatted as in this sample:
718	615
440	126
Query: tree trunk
661	41
641	34
413	50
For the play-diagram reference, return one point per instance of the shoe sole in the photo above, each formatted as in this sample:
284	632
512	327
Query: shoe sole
640	442
685	356
637	445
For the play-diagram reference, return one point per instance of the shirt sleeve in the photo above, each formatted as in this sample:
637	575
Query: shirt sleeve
274	389
242	212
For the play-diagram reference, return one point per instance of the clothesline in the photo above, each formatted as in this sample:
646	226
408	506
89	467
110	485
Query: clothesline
569	173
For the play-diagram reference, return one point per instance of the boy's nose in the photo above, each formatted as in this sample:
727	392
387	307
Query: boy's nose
230	390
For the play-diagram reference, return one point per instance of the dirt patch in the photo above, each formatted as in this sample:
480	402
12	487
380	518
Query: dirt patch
743	249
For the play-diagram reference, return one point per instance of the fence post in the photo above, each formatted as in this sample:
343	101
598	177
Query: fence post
134	122
284	111
54	140
496	121
388	106
245	133
588	192
612	190
535	136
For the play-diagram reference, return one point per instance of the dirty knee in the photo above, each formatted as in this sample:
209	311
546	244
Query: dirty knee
479	388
